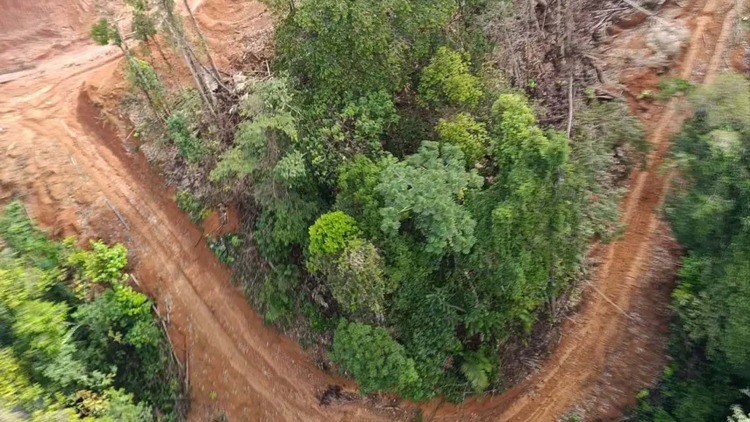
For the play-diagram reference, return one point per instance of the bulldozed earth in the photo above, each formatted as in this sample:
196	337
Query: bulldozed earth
66	155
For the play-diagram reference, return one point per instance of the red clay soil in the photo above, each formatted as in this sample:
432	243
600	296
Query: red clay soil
31	31
76	177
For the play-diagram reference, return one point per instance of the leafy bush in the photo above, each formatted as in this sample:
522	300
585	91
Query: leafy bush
447	80
476	368
669	87
226	247
191	148
65	356
375	360
290	170
102	264
466	133
191	205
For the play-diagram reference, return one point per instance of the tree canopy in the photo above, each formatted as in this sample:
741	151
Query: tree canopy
397	194
76	342
708	211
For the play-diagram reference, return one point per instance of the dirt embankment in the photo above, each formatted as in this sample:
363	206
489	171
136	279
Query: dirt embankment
31	31
74	172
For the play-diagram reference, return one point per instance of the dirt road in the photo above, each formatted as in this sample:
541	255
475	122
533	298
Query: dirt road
73	172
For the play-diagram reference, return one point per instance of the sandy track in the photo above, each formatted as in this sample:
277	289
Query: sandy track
70	168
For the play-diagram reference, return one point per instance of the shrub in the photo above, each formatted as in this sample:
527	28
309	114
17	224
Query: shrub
102	264
669	87
191	148
191	205
331	233
226	247
447	81
466	133
376	361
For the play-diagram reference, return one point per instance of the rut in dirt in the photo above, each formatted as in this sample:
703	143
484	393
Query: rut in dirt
73	172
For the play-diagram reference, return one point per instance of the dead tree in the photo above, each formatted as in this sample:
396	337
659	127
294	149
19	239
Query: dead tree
202	39
175	30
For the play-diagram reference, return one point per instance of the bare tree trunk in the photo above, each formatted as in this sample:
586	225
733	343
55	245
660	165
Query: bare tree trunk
208	72
204	44
214	71
191	61
161	53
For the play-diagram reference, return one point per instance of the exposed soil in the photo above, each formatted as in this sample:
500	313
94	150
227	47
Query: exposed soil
74	173
31	31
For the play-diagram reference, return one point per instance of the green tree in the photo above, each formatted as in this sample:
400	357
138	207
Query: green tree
708	210
16	389
143	24
425	312
357	195
59	349
357	280
528	217
724	103
103	32
331	234
352	267
342	49
448	81
269	127
376	361
359	127
466	133
142	76
429	188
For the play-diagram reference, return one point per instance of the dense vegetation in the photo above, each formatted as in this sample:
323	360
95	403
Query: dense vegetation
442	218
709	213
76	342
403	196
